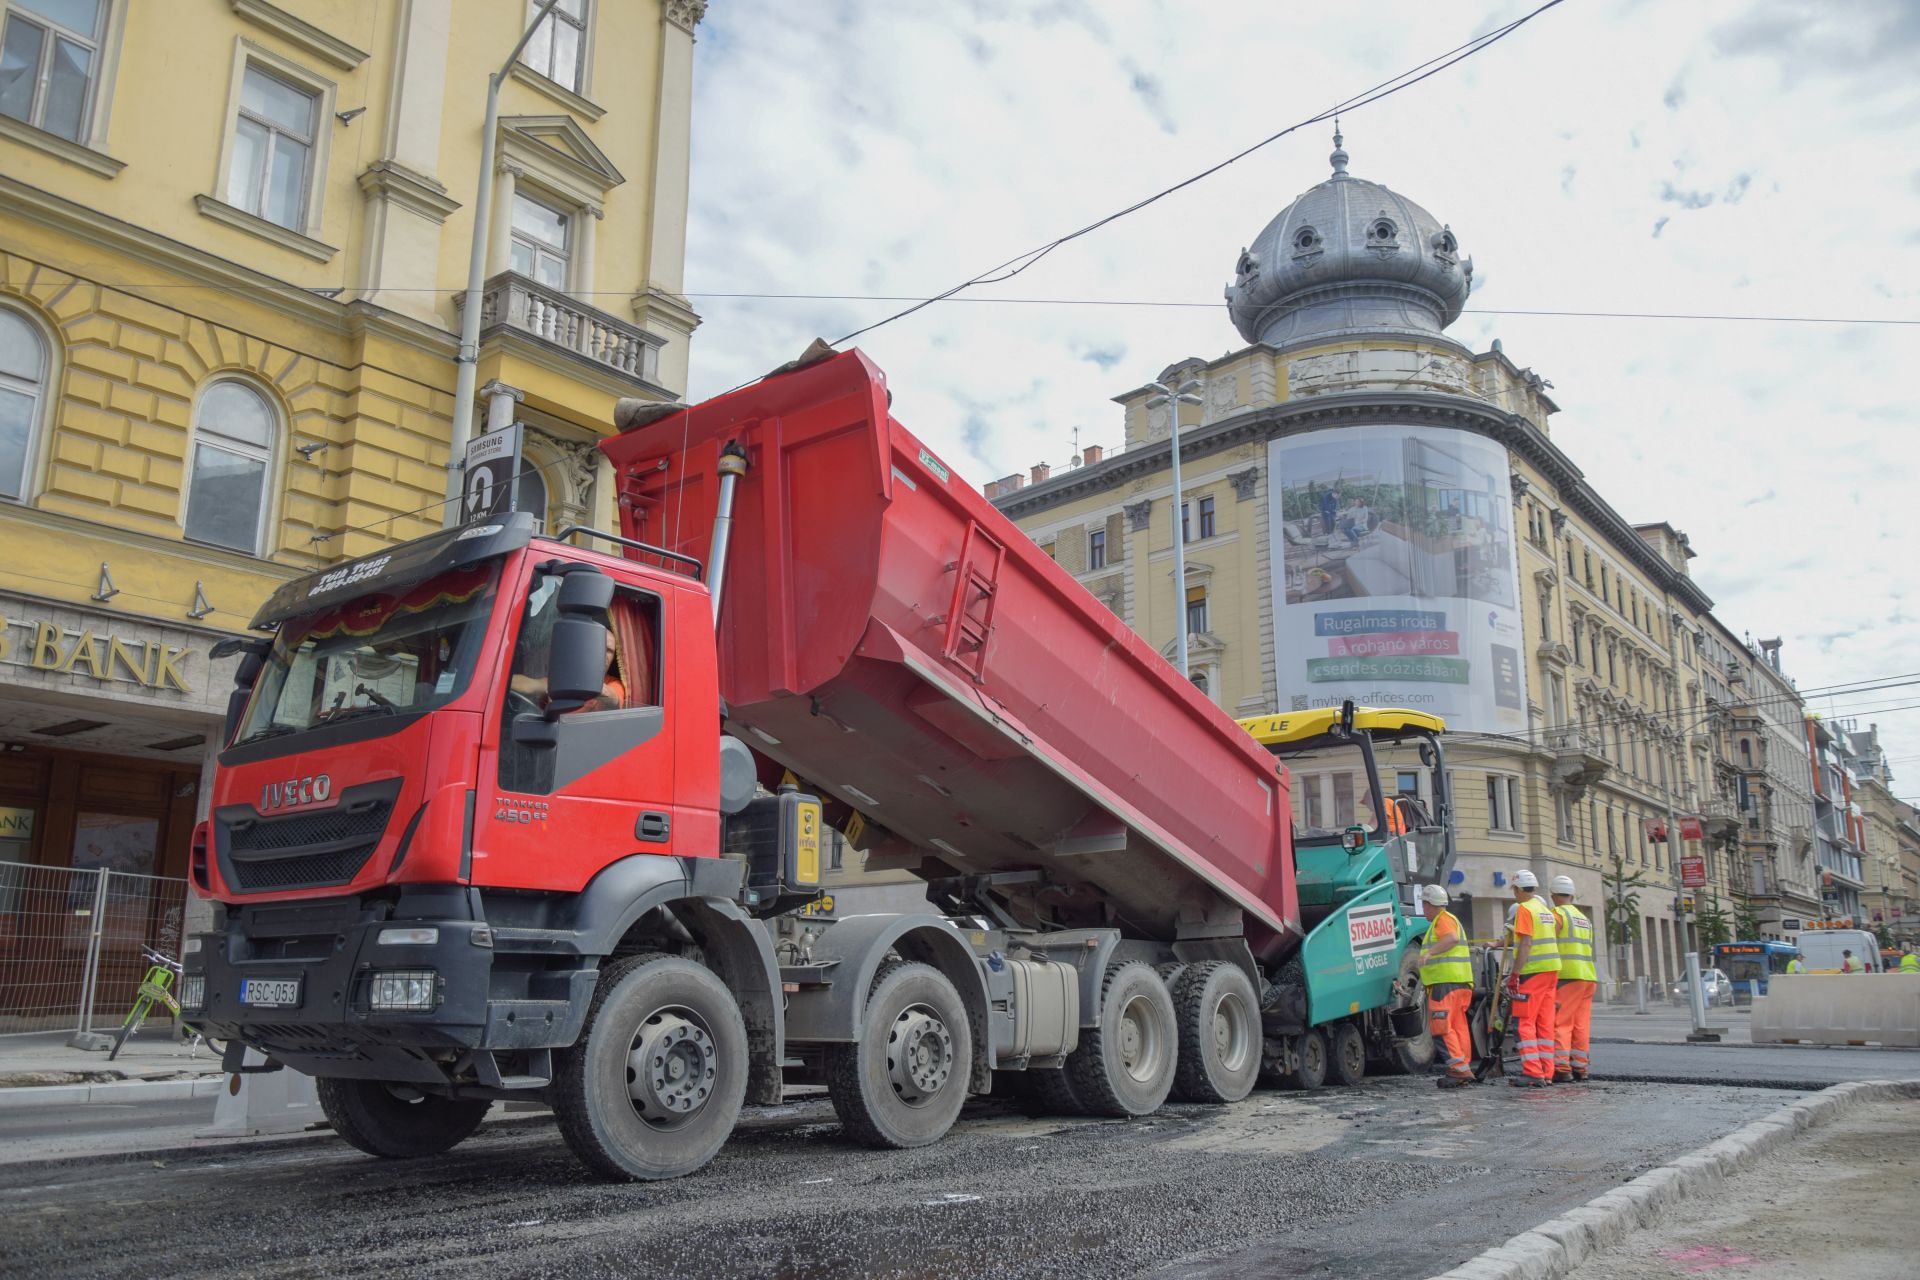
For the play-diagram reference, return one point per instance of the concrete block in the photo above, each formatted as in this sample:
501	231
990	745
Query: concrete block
1604	1228
1521	1263
1821	1008
1573	1236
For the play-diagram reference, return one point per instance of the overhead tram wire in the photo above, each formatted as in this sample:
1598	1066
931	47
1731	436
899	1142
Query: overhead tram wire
1385	89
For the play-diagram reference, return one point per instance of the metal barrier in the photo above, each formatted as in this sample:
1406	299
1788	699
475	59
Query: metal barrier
70	943
1821	1008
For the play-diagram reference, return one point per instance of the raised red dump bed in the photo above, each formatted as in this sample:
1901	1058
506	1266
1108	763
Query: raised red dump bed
896	641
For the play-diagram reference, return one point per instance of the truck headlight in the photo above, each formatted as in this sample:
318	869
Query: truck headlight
407	937
193	991
397	990
193	945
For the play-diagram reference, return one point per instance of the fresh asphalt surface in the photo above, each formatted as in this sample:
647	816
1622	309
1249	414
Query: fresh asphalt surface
1391	1179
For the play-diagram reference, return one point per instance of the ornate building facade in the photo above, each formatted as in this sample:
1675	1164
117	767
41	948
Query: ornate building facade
1372	510
229	301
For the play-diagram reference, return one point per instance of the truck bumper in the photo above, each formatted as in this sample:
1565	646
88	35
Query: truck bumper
303	986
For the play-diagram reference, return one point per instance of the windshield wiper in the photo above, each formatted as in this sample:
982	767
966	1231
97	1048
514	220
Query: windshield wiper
355	713
271	731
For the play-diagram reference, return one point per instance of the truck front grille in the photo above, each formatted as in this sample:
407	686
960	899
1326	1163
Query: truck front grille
309	850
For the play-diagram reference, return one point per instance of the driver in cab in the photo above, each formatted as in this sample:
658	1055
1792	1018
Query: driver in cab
613	690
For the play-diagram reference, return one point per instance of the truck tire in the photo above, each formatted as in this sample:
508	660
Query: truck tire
1125	1065
1311	1049
1346	1054
1050	1093
655	1084
381	1121
903	1083
1220	1041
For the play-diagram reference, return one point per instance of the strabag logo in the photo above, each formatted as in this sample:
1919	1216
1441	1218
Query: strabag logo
348	575
282	795
1370	929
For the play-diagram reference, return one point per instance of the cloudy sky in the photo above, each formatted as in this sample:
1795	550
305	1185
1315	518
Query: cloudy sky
1726	157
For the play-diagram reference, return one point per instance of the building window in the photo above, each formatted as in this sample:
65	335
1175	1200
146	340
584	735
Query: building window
541	240
1097	549
1186	527
530	492
1569	557
1574	635
271	169
232	457
49	63
1503	810
1206	518
23	383
1196	609
558	49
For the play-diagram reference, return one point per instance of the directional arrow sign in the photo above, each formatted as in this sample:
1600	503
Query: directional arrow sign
492	467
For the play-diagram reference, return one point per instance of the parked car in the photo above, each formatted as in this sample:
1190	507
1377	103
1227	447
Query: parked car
1715	987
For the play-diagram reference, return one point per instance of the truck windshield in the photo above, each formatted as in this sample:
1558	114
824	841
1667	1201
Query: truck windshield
385	653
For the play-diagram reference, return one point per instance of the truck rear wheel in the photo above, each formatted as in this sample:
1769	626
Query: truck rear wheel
1219	1019
656	1082
1050	1093
1310	1069
395	1121
903	1084
1346	1054
1125	1065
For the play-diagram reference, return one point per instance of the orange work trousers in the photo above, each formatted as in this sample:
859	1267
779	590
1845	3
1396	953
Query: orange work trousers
1533	1003
1447	1016
1572	1015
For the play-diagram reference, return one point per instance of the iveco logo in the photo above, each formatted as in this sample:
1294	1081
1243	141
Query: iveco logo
280	795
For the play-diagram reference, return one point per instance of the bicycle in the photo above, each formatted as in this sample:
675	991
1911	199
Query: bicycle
155	988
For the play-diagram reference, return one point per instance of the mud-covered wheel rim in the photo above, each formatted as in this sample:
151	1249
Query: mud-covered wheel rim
672	1067
919	1055
1313	1055
1143	1040
1353	1054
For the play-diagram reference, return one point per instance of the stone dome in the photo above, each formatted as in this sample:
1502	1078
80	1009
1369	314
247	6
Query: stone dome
1348	257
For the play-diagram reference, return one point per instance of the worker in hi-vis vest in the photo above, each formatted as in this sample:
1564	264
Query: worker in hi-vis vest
1796	965
1573	997
1446	969
1532	976
1909	962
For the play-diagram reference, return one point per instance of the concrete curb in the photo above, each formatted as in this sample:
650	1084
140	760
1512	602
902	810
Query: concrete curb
68	1095
1557	1246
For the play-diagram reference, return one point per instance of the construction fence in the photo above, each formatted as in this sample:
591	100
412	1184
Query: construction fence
71	943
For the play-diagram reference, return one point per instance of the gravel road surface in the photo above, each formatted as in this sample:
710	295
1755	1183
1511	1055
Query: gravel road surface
1391	1179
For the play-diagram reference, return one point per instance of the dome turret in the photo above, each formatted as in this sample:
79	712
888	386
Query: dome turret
1348	257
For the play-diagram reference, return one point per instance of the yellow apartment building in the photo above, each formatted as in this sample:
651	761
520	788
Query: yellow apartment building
234	237
1371	510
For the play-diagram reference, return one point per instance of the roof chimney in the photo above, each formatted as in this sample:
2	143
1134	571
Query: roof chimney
1093	453
1041	471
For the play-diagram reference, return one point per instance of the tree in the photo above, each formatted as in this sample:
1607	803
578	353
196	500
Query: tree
1714	924
1746	922
1620	906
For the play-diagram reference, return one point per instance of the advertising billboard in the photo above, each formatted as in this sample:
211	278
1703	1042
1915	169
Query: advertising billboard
1396	578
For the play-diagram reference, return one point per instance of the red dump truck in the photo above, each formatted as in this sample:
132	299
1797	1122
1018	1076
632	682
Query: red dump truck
505	815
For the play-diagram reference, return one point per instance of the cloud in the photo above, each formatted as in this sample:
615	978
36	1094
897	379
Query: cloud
1659	225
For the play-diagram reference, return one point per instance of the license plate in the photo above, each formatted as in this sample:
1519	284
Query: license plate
270	993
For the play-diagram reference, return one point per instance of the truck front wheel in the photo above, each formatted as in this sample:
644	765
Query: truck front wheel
395	1121
903	1083
1219	1033
654	1086
1125	1065
1310	1062
1346	1054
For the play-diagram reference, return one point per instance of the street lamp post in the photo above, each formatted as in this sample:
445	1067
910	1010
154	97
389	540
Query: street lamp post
467	362
1173	397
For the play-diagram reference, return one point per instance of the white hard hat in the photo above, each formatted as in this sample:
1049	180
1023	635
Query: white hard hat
1434	894
1525	880
1563	884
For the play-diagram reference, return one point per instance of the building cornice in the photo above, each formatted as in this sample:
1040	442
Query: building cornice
1367	408
98	163
300	33
394	182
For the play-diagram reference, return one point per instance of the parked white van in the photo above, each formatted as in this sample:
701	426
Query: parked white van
1820	950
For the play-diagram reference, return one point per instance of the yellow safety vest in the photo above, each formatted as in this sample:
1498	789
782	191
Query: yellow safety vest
1910	963
1794	966
1576	945
1455	964
1544	957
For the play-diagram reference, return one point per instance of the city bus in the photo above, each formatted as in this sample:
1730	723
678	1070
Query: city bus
1750	964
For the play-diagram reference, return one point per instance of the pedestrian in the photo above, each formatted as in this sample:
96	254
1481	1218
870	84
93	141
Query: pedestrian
1847	963
1573	997
1446	969
1909	962
1535	973
1796	965
1329	507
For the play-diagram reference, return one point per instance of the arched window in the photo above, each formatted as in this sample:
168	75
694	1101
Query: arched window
23	386
234	434
531	493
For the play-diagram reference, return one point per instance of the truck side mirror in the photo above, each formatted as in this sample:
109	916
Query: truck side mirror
576	664
1353	839
253	660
